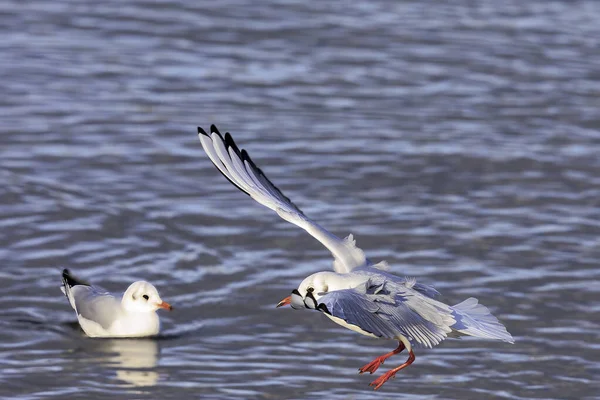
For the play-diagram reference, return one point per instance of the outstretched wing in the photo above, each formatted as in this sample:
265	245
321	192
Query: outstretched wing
389	313
241	171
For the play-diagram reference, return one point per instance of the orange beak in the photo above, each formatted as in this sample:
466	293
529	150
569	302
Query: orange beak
165	305
284	302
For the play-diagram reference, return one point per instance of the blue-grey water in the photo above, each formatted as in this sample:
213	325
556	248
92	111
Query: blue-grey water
461	143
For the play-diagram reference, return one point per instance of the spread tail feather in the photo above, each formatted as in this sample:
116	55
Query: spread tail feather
474	319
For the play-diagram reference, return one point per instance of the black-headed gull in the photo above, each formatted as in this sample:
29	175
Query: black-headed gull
359	295
101	314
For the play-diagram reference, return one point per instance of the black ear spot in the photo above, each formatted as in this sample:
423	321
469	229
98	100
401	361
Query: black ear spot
133	296
145	297
310	289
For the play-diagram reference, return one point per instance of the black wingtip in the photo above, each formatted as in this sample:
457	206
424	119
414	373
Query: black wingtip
202	132
245	157
71	280
323	308
213	129
229	142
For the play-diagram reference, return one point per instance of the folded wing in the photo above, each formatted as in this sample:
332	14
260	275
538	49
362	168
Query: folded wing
91	302
243	173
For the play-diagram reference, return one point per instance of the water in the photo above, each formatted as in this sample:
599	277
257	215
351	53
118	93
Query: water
458	142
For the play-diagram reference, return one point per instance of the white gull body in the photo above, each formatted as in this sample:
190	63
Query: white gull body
103	315
359	295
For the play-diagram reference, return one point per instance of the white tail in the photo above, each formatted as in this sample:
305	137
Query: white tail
474	319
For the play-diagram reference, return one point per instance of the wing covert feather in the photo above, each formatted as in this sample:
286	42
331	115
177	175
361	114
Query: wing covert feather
95	304
389	311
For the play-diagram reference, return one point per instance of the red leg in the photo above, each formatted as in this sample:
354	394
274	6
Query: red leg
391	373
376	363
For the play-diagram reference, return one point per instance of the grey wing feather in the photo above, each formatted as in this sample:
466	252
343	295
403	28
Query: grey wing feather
242	172
378	275
388	310
94	304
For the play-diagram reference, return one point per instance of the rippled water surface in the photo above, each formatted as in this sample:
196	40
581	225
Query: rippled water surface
460	143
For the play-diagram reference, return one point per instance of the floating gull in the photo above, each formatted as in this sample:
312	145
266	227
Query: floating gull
102	314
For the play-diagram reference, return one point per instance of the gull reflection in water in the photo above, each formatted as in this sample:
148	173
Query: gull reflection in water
133	359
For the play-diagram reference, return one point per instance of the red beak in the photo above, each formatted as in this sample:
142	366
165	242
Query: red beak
284	302
165	305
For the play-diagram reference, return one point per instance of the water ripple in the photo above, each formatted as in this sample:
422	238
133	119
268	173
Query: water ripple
457	142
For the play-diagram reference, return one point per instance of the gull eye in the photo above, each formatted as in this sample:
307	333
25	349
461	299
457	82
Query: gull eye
310	290
145	297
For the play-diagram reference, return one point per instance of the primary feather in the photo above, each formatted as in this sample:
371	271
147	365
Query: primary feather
241	171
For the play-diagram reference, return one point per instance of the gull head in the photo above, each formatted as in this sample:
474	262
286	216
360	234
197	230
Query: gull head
311	289
142	296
